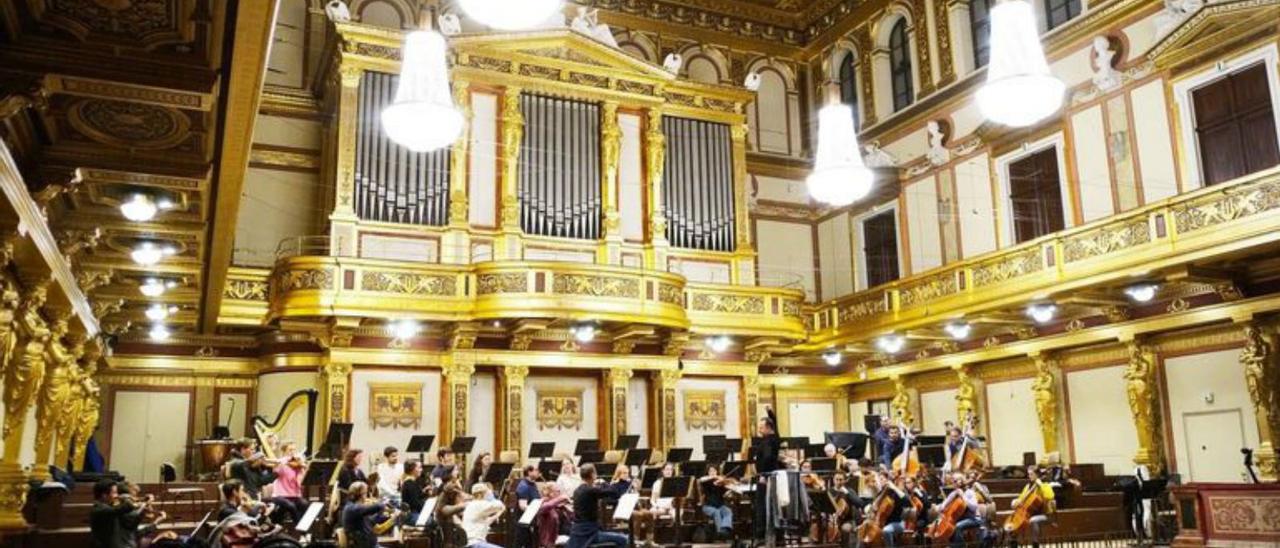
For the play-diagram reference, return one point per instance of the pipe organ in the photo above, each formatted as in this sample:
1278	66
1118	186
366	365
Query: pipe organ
698	184
559	170
392	183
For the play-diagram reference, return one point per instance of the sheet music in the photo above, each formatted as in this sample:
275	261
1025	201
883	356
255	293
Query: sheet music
427	508
783	488
313	511
626	505
530	511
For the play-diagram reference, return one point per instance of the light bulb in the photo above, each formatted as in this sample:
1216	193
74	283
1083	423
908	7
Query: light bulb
422	117
510	14
147	254
159	333
1141	293
139	208
959	330
583	333
1042	312
891	344
1019	90
157	312
839	175
153	288
403	329
831	357
719	343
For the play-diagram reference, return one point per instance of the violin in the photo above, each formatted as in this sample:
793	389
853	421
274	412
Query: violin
1032	505
811	481
952	509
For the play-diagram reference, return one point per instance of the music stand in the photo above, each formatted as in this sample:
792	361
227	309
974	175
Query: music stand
871	423
932	454
605	470
695	468
823	464
550	470
797	443
591	456
735	469
638	457
649	476
713	442
719	455
678	455
462	445
676	487
627	442
498	474
815	451
319	472
586	445
420	444
542	449
335	441
733	445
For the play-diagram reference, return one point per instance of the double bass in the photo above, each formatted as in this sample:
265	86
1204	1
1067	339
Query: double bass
907	463
967	459
1033	504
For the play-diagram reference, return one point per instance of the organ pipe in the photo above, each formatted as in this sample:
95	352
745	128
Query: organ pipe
698	184
559	169
392	183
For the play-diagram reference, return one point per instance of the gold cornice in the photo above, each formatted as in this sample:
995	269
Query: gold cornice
105	89
178	364
290	103
770	165
176	380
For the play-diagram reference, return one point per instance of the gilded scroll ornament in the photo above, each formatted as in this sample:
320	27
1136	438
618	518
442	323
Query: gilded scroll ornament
491	284
559	409
1233	203
1008	267
704	409
728	303
655	157
409	283
25	373
1140	386
396	404
595	286
245	290
1046	398
1105	240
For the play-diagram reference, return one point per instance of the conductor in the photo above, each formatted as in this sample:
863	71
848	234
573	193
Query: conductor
768	448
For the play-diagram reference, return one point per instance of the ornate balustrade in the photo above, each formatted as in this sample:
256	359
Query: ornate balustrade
1197	225
745	310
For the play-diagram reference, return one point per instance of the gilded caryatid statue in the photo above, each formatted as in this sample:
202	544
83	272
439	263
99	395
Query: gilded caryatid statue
966	396
1140	386
55	392
1046	398
901	403
65	421
25	371
1263	381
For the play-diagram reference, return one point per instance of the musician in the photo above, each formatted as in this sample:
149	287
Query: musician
141	523
714	488
848	504
235	500
390	471
960	440
768	450
586	530
916	515
351	471
449	509
894	522
105	528
481	511
568	480
286	491
1044	514
357	516
659	508
413	489
526	493
889	439
479	469
444	462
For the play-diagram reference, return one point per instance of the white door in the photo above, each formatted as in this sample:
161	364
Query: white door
1214	439
129	433
148	429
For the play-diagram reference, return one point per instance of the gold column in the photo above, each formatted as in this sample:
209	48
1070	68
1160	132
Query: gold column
744	254
1262	375
610	156
1142	389
1045	389
901	403
54	399
336	377
457	240
920	30
866	75
342	229
457	397
508	245
511	406
750	405
655	157
616	382
942	22
665	389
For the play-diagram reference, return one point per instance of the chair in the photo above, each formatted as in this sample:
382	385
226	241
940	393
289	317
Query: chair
613	456
168	474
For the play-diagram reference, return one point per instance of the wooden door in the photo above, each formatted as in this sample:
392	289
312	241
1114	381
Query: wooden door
1235	125
1035	195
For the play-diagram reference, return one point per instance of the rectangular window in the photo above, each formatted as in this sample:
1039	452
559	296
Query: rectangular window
1235	125
1057	12
1035	193
880	248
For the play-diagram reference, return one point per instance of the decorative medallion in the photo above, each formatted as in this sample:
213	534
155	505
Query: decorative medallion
130	125
559	409
704	409
395	404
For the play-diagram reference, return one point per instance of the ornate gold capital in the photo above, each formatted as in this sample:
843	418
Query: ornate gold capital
351	75
514	375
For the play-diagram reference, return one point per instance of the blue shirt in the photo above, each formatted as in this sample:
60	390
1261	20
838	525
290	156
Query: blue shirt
527	491
889	448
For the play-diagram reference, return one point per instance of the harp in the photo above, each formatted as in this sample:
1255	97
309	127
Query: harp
266	431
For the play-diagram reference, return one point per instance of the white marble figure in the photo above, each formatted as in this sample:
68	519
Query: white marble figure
1105	76
449	24
938	153
673	62
1175	12
874	156
337	11
587	22
753	82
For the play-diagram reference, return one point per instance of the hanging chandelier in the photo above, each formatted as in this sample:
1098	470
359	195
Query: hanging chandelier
423	118
839	175
510	14
1019	90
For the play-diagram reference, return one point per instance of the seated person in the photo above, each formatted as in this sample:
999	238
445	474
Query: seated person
894	525
1038	516
659	508
413	489
444	461
555	516
140	524
105	528
586	530
449	509
286	490
358	516
481	511
714	488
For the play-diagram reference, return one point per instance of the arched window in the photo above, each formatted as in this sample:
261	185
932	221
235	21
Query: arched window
849	88
1057	12
900	66
980	30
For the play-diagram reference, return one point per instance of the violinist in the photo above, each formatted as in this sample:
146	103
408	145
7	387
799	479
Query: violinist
286	490
660	508
1037	497
714	488
811	480
254	472
479	469
413	490
358	515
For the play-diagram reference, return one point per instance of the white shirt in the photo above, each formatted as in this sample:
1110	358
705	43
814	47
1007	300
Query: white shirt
568	483
477	517
389	479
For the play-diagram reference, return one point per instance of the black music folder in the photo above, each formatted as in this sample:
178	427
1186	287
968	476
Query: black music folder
798	442
591	457
463	444
627	442
584	446
675	487
678	455
550	470
735	469
542	449
713	442
823	464
319	472
733	445
649	476
420	444
605	470
695	468
638	457
498	472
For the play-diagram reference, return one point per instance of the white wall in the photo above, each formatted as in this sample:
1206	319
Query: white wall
638	409
936	408
922	225
374	440
232	407
835	256
274	389
1155	147
686	437
786	255
147	430
1093	171
811	419
565	439
482	420
977	216
1210	415
631	178
1102	429
1011	414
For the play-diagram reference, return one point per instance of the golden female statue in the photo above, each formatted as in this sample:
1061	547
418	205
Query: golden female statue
55	393
901	403
966	395
1140	386
23	375
1046	403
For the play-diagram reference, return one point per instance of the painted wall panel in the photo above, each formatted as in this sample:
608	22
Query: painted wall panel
786	255
780	190
921	218
638	409
482	420
835	259
482	188
812	419
1011	415
690	434
936	408
977	216
375	438
1093	175
1101	428
631	178
563	437
1155	141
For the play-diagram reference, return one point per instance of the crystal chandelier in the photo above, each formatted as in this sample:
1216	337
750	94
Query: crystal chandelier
839	176
1019	90
510	14
422	118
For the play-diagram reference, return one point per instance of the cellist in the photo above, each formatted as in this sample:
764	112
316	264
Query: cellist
886	511
1037	497
959	443
889	438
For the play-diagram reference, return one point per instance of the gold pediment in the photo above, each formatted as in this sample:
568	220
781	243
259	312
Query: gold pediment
1215	28
559	47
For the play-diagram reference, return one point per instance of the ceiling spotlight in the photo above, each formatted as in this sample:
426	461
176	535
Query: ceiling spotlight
155	288
891	344
158	312
959	330
403	329
719	343
1042	312
139	208
148	253
584	332
159	333
1142	293
831	357
497	323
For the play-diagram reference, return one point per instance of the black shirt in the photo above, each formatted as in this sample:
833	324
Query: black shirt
586	500
348	476
105	529
412	494
253	478
712	494
767	451
355	521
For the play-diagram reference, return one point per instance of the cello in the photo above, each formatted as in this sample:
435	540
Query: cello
1032	505
952	509
877	515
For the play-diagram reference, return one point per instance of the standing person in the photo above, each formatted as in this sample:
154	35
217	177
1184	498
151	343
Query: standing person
586	530
768	447
890	442
351	471
357	516
105	529
526	493
481	511
390	470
